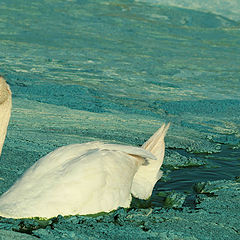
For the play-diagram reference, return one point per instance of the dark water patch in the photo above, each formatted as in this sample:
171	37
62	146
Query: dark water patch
181	191
224	165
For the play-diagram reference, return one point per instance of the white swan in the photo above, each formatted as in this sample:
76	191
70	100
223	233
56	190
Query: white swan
81	178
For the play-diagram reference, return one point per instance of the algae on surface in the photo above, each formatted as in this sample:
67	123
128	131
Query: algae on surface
113	70
210	216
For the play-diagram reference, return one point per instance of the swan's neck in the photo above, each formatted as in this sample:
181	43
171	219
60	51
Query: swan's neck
5	110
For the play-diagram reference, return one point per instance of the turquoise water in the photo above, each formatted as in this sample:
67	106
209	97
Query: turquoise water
84	70
115	70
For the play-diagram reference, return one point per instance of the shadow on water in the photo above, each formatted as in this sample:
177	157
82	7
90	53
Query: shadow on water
221	166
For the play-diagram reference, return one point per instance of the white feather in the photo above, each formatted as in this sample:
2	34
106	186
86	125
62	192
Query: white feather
147	175
76	179
5	109
83	178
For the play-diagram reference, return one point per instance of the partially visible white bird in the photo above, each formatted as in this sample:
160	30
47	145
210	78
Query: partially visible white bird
81	179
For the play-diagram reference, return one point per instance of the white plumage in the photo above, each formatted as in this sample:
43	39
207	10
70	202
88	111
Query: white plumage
84	178
5	109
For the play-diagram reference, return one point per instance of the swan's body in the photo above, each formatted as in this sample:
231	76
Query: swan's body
5	109
82	178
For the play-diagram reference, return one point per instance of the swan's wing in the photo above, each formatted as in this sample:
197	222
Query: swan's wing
65	154
97	181
138	151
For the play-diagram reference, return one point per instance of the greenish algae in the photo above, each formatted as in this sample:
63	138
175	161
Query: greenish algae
107	70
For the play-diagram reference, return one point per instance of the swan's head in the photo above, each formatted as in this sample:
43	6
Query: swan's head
5	109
